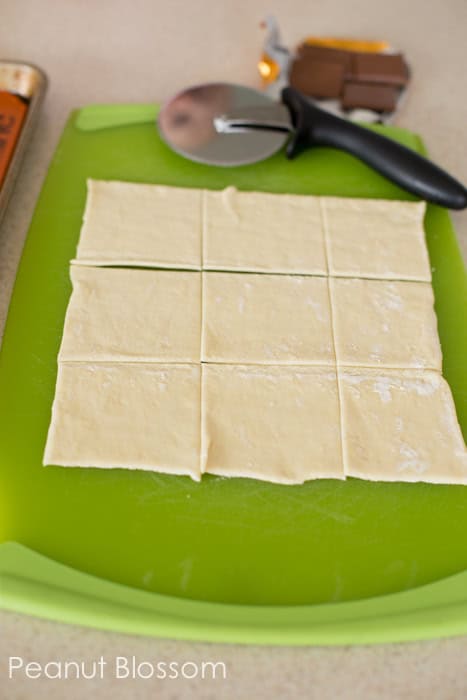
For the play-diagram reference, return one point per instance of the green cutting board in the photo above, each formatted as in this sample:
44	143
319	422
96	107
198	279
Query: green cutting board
232	541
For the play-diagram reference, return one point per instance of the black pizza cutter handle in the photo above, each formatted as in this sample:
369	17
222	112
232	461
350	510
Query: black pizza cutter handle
412	172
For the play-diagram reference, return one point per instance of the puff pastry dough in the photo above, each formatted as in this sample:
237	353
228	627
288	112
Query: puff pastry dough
266	319
379	323
128	223
400	425
274	423
133	315
262	232
135	416
378	238
323	363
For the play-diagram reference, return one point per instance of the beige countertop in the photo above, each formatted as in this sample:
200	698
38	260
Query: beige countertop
144	50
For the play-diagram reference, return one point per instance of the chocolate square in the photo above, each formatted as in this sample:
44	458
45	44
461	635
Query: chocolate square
325	54
385	69
381	98
317	78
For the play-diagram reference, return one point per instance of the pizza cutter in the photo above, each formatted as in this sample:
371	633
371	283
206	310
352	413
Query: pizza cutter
229	125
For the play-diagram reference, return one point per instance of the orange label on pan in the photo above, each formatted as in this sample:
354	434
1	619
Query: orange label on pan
12	114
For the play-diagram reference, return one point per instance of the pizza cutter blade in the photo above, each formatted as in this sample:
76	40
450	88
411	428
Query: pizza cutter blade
225	124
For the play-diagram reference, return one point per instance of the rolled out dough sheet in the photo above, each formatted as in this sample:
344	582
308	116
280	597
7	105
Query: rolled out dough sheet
401	426
263	232
373	238
274	423
133	416
144	225
267	403
133	315
379	323
266	319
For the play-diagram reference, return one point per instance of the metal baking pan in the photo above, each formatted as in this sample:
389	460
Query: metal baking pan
30	82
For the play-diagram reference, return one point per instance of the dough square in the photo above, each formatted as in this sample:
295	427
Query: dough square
373	238
401	425
263	232
266	319
129	223
131	416
275	423
133	315
380	323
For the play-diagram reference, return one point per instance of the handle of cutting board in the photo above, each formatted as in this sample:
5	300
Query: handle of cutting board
412	172
96	117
